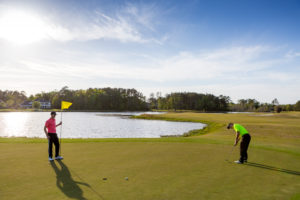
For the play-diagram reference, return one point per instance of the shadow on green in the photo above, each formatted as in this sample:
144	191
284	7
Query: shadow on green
67	184
273	168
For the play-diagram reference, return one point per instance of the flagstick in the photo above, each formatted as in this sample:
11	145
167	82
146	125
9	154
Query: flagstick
64	105
60	132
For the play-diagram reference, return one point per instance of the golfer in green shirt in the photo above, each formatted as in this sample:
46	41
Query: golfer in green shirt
241	132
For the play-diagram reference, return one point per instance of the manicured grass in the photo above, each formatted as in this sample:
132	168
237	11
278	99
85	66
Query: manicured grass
162	168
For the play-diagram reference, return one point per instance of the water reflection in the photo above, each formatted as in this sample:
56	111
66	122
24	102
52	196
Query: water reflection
13	123
90	125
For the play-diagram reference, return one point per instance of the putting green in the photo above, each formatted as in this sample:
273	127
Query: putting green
166	168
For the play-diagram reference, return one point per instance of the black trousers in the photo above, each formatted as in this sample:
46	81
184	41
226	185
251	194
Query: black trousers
53	139
244	147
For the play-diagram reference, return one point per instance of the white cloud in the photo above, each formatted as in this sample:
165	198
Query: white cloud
220	63
282	76
142	14
231	63
292	54
125	26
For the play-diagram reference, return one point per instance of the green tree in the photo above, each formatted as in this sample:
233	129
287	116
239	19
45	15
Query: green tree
2	104
153	102
297	106
278	109
275	102
36	105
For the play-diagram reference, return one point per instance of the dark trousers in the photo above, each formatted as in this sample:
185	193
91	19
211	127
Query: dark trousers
53	139
244	147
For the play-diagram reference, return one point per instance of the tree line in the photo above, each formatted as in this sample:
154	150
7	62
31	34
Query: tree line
105	99
120	99
252	105
189	101
11	99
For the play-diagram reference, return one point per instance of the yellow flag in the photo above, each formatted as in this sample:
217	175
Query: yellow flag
65	105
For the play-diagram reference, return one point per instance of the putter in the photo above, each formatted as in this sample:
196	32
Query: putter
229	155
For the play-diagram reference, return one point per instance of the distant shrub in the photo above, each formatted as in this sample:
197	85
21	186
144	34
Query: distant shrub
278	109
36	105
297	106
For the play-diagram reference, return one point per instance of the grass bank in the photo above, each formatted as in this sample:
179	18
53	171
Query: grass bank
209	128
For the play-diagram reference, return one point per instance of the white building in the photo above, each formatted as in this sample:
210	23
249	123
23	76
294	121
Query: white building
44	104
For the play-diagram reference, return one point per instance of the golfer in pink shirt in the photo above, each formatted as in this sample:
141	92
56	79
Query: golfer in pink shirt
50	131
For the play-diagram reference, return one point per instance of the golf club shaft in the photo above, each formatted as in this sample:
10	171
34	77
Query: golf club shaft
230	153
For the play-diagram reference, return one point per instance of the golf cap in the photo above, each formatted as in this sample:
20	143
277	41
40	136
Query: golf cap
53	113
228	126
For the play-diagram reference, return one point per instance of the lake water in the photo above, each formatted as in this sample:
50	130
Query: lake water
91	125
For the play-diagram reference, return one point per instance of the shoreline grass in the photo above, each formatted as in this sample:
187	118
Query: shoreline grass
209	125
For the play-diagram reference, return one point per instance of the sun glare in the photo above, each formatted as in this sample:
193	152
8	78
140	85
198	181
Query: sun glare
21	27
14	124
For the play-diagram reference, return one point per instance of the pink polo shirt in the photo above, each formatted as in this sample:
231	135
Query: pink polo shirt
51	125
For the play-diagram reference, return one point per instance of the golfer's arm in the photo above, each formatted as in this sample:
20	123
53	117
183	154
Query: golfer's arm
59	124
45	130
237	138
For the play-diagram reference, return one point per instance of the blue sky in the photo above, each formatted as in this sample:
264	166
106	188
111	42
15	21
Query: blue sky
243	49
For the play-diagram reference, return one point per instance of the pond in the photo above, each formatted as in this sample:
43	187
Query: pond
91	125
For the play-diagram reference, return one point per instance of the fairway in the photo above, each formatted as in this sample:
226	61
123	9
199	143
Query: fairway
164	168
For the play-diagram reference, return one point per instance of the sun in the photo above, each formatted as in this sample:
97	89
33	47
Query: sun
21	28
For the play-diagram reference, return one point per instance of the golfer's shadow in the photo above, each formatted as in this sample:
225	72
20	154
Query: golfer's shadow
65	182
273	168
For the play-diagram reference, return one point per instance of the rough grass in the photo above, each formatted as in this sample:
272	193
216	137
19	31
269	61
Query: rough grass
162	168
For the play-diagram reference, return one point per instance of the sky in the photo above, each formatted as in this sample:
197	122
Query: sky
242	49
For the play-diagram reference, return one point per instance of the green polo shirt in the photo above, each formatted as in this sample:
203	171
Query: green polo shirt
239	128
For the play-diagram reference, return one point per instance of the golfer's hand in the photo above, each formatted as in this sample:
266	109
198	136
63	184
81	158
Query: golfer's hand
60	123
48	137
